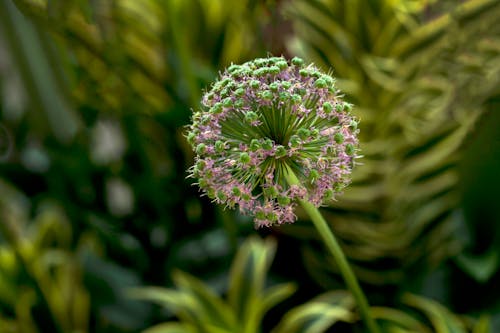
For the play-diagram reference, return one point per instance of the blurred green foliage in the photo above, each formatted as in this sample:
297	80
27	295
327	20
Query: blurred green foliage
200	310
94	201
248	299
419	86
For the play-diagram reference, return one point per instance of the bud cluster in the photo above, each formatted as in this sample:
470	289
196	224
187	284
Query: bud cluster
265	117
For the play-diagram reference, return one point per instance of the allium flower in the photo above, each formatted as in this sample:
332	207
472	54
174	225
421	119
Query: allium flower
260	120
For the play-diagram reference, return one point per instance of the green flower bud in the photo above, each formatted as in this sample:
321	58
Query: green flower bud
327	107
296	99
267	95
280	152
274	70
271	192
349	149
260	71
268	144
221	196
205	119
202	183
239	92
251	116
233	68
239	103
260	62
304	133
244	158
282	64
217	108
225	82
338	137
313	175
210	193
201	148
272	216
220	146
353	125
284	96
328	195
320	83
283	201
200	165
191	138
236	191
297	62
295	141
255	145
260	215
255	84
316	74
328	79
208	174
225	92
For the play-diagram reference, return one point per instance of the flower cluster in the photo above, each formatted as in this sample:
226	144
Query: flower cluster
265	118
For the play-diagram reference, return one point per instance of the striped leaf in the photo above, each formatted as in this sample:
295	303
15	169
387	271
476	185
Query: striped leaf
419	85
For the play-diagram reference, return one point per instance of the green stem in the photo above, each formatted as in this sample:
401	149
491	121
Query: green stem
337	253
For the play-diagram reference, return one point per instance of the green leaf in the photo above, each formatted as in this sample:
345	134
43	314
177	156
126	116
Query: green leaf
419	90
171	328
207	305
276	294
319	314
441	318
247	278
483	325
480	267
38	74
198	306
171	299
400	319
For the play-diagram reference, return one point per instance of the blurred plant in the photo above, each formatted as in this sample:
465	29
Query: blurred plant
419	315
41	281
119	60
52	281
139	54
199	309
419	84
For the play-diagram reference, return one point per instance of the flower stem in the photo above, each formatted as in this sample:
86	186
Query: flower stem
337	253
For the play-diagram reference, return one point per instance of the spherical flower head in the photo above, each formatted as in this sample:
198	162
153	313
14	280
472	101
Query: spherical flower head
263	118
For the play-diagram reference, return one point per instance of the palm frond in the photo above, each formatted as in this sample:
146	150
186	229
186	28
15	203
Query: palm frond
419	85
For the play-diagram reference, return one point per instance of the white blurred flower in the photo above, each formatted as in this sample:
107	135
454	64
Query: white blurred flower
108	142
119	197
